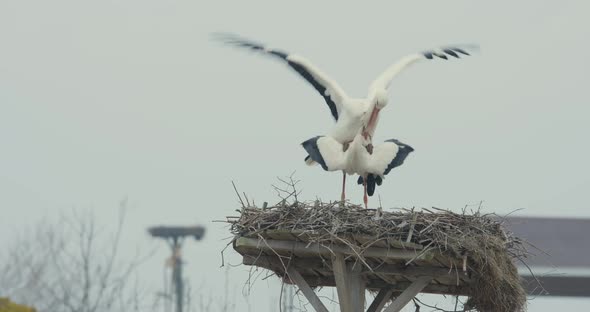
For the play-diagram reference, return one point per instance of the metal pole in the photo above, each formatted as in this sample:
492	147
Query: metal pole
177	274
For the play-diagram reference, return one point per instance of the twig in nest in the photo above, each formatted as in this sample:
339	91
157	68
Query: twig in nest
222	251
534	276
433	306
288	190
238	193
276	254
246	197
416	305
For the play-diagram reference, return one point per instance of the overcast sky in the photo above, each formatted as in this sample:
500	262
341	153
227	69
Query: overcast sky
106	99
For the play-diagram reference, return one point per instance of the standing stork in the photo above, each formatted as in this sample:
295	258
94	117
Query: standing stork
370	162
350	114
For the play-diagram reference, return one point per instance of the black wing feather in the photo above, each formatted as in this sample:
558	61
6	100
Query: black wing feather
452	51
370	184
300	69
398	160
460	51
318	86
372	181
311	147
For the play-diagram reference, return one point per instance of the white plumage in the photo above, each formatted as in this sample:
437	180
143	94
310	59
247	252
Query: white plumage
350	114
360	157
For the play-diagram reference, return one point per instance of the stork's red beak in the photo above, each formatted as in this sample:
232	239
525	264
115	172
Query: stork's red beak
370	128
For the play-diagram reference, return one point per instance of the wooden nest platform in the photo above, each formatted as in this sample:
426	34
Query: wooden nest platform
397	254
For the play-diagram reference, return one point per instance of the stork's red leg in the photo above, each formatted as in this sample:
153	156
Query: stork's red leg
365	197
343	196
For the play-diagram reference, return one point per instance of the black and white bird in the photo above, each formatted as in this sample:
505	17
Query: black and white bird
360	157
350	114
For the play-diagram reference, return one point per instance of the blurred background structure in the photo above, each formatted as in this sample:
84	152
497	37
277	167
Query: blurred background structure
562	255
175	236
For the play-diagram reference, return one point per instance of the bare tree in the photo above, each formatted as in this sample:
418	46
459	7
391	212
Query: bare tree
72	264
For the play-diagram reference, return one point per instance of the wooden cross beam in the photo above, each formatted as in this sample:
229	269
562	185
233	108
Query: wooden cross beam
317	264
311	296
382	297
408	294
327	250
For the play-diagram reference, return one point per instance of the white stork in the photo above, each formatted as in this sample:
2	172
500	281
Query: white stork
350	114
360	157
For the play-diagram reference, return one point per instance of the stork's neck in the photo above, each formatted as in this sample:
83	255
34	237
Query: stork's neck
357	146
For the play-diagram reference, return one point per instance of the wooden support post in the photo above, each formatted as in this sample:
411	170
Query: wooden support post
408	294
341	275
357	286
379	302
311	296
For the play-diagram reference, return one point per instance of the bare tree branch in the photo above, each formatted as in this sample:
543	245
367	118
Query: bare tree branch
61	265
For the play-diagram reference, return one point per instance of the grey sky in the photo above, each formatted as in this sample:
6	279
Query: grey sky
106	99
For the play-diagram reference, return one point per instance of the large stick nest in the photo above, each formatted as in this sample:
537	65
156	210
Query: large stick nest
480	239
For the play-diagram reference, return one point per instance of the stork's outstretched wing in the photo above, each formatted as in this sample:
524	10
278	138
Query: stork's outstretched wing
328	88
384	80
326	151
385	157
403	150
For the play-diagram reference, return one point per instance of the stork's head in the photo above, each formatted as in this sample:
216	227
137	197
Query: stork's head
380	98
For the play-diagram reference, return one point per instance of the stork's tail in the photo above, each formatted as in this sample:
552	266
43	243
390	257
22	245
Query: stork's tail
372	181
314	155
309	161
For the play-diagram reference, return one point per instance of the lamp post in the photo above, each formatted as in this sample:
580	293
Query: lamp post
175	236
